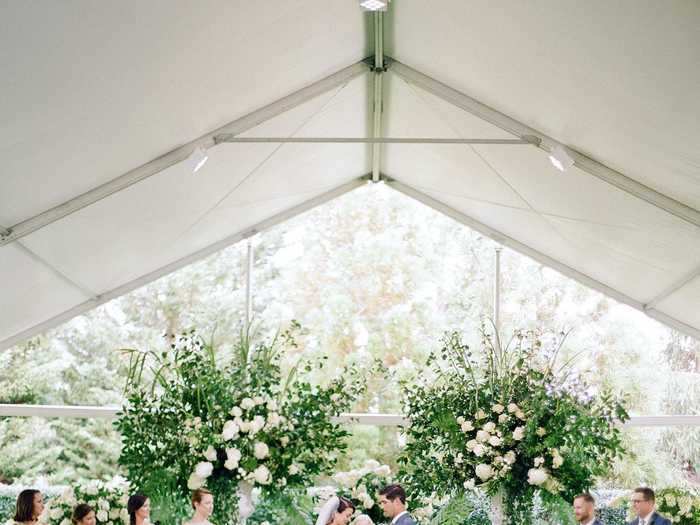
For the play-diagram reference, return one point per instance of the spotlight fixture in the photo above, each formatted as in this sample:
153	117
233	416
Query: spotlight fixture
374	5
560	158
197	159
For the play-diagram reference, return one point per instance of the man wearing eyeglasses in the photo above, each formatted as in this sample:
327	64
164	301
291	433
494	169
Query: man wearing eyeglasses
644	506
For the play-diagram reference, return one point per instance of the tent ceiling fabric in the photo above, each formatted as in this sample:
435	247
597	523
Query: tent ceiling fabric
91	92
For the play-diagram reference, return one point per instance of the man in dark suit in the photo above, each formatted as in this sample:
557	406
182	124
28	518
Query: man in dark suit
584	510
392	500
644	506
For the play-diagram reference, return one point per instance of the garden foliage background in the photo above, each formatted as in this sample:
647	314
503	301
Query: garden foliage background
371	274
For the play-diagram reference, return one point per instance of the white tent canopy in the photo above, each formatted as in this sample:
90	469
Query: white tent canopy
101	102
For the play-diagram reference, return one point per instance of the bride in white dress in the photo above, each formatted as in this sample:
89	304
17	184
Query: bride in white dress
337	511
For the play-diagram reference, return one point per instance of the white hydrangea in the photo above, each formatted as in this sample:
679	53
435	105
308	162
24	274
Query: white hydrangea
261	450
231	430
483	471
519	433
262	475
536	476
203	469
210	453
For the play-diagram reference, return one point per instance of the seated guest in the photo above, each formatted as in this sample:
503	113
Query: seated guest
30	505
584	510
83	515
203	505
644	506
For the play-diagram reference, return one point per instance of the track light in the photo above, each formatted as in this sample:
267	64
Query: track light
197	159
560	158
374	5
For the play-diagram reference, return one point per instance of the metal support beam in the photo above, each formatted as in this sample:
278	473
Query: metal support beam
232	139
378	93
110	412
176	265
181	153
497	290
249	284
519	129
540	257
673	288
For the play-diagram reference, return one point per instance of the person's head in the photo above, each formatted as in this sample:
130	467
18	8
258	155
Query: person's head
643	501
30	504
83	515
203	502
392	500
584	507
139	508
346	509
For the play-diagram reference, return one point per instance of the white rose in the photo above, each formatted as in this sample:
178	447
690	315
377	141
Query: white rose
203	469
236	412
480	414
536	476
262	475
497	408
55	513
92	489
272	405
247	403
258	400
194	482
483	471
293	469
479	450
513	408
231	430
490	427
102	515
245	426
540	431
284	440
503	418
65	521
257	424
509	457
539	461
114	514
466	426
460	420
273	419
519	433
520	415
495	441
469	485
261	450
482	436
367	501
471	444
210	453
233	456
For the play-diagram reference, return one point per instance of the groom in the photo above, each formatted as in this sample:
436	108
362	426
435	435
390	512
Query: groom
392	500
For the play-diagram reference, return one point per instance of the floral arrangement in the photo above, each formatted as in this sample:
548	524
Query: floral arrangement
362	485
510	422
107	498
679	505
230	424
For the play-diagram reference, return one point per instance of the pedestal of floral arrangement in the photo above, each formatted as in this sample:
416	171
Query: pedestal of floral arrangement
246	505
496	511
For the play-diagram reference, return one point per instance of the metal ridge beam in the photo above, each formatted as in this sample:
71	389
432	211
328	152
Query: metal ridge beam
184	261
509	124
181	153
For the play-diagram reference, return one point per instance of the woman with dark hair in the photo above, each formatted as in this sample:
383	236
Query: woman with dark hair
30	505
139	508
83	514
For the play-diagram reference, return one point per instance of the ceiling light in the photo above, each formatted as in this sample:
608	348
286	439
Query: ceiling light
374	5
560	158
197	159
